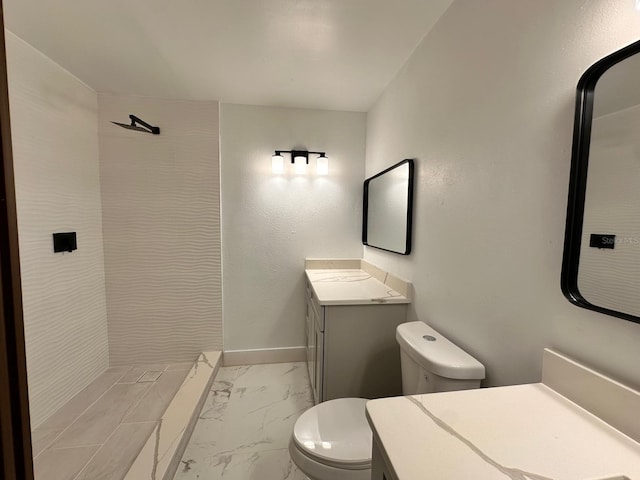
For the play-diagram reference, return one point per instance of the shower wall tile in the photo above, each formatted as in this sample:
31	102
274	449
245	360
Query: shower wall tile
54	134
161	223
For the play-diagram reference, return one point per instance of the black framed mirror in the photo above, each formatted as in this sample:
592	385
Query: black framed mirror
388	209
601	262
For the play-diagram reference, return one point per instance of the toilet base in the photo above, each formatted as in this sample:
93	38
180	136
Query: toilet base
319	471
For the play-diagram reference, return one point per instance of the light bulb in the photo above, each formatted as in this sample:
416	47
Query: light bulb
322	165
300	164
277	164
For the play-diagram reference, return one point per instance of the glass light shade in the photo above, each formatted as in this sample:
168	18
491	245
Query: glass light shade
277	164
322	165
301	164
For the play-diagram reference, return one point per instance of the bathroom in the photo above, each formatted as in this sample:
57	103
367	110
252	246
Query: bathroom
481	94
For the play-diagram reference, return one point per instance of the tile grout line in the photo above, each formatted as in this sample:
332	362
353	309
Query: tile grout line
136	403
48	447
78	446
84	467
129	410
147	393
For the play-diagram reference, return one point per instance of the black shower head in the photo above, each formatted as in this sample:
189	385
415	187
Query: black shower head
133	126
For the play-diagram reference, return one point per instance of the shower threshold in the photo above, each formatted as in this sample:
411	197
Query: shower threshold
129	423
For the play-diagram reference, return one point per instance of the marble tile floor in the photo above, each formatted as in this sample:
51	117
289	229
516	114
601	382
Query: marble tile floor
100	431
244	428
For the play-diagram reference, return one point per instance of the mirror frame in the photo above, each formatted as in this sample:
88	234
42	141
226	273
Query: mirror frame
578	180
365	209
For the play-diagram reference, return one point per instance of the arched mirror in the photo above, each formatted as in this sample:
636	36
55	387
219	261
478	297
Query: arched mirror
601	264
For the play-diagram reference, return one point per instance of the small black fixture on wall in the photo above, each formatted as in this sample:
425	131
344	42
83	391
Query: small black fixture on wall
300	159
133	126
65	242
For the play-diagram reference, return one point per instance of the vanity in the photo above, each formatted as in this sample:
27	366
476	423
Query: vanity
577	424
353	309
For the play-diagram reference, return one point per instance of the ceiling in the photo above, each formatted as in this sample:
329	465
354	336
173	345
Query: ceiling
329	54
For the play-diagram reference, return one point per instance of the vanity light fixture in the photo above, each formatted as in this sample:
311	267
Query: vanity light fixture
322	165
277	163
300	160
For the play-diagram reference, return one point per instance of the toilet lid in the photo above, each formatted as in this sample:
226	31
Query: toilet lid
336	432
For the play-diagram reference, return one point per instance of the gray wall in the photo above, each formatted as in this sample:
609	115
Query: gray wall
485	104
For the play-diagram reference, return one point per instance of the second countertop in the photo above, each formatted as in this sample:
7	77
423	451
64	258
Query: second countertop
355	286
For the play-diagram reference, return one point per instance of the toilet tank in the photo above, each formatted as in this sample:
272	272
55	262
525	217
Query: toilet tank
431	363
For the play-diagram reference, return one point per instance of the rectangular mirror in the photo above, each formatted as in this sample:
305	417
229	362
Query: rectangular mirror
388	209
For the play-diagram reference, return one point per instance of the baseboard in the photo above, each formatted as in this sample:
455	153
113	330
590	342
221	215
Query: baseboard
267	355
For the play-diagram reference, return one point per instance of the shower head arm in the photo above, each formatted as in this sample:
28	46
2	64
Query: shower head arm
152	129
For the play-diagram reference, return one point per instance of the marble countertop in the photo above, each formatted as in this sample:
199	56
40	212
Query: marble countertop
351	286
523	432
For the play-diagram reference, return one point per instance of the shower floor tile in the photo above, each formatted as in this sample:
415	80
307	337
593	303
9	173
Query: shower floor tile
63	464
135	373
99	432
116	456
244	428
70	411
157	399
101	419
41	438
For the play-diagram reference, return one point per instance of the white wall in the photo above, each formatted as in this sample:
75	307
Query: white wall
270	223
161	220
485	104
54	127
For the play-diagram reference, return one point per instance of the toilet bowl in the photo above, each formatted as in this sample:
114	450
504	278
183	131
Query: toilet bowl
333	441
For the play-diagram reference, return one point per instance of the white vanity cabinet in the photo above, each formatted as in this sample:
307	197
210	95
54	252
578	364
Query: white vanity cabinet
350	342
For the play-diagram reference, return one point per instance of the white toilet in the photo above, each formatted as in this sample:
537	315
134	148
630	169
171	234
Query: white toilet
333	441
